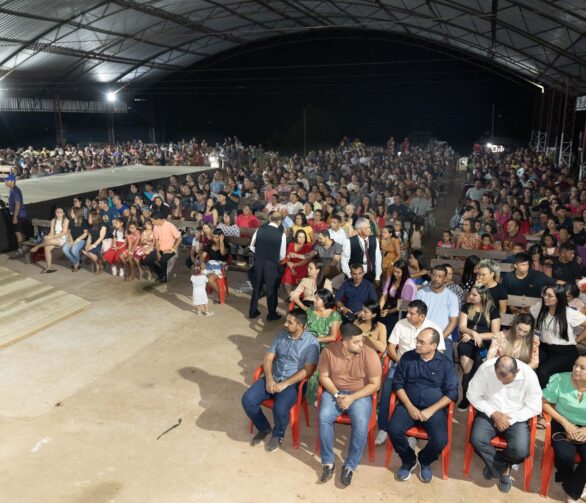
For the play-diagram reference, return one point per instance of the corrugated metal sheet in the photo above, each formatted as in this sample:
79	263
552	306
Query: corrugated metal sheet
529	34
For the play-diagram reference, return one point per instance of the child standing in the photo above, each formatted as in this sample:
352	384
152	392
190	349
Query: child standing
200	296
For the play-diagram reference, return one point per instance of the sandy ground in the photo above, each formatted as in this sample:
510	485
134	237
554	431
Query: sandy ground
83	402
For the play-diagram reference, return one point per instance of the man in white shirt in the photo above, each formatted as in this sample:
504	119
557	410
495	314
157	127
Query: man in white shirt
402	339
363	249
294	206
336	232
506	394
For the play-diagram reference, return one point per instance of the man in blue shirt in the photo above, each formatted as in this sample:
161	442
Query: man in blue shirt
425	383
292	357
17	212
355	291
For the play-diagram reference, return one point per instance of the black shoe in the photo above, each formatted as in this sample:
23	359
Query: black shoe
274	317
487	474
505	483
274	444
259	437
328	473
254	315
346	478
464	404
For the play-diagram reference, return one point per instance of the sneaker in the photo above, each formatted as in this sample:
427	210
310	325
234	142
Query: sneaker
274	444
259	437
463	405
114	270
327	473
381	437
209	313
404	473
425	474
121	272
505	483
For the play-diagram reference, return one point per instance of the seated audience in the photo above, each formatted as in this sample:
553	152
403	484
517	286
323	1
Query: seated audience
506	394
557	325
479	322
563	401
349	374
292	357
354	292
425	383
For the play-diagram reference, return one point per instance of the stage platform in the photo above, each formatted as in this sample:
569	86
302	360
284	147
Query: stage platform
54	187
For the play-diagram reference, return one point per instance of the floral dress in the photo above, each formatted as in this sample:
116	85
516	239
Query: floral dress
320	327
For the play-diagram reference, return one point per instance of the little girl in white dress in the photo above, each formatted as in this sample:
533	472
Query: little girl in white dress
200	296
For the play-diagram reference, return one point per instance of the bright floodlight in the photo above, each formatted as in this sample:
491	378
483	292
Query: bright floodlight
111	96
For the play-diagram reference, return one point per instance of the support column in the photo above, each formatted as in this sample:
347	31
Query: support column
59	136
111	131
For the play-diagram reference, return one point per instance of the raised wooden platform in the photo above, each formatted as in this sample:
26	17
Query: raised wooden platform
48	188
28	305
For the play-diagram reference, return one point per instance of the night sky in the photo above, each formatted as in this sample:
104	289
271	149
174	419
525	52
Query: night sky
349	84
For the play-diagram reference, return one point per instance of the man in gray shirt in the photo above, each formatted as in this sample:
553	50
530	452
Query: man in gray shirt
329	253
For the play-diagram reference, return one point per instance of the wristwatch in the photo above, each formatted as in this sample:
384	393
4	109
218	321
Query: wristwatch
337	394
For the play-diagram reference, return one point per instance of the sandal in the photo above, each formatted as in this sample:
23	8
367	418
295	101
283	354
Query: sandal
48	271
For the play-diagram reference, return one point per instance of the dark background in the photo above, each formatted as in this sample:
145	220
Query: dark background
354	84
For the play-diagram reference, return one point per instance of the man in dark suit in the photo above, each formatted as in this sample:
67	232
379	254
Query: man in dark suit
269	246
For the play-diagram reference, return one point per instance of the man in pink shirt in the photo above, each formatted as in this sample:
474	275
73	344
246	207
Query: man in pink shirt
167	241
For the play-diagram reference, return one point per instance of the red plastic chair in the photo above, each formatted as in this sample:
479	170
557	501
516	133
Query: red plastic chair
294	412
222	286
419	432
345	419
548	456
500	443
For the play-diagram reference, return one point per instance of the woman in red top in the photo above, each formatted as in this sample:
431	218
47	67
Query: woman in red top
296	259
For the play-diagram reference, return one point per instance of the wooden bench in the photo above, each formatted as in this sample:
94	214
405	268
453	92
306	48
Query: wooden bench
458	265
521	301
38	224
462	253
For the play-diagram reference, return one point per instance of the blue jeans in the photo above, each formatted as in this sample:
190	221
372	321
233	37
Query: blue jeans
436	428
385	398
449	349
359	413
517	436
257	394
73	251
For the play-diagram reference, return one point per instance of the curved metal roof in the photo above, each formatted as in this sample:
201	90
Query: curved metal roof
120	41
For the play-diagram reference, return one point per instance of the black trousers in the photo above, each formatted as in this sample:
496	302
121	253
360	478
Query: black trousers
266	274
158	267
572	477
553	359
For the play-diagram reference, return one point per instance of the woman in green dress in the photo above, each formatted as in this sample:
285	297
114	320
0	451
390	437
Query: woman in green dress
323	322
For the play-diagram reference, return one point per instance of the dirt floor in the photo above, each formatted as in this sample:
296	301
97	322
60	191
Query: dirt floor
83	403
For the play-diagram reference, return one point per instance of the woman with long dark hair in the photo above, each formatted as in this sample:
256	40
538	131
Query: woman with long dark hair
470	272
296	261
479	322
374	333
555	325
399	286
303	296
418	268
323	322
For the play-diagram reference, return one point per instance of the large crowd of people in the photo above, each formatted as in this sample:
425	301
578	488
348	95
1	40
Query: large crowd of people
338	235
